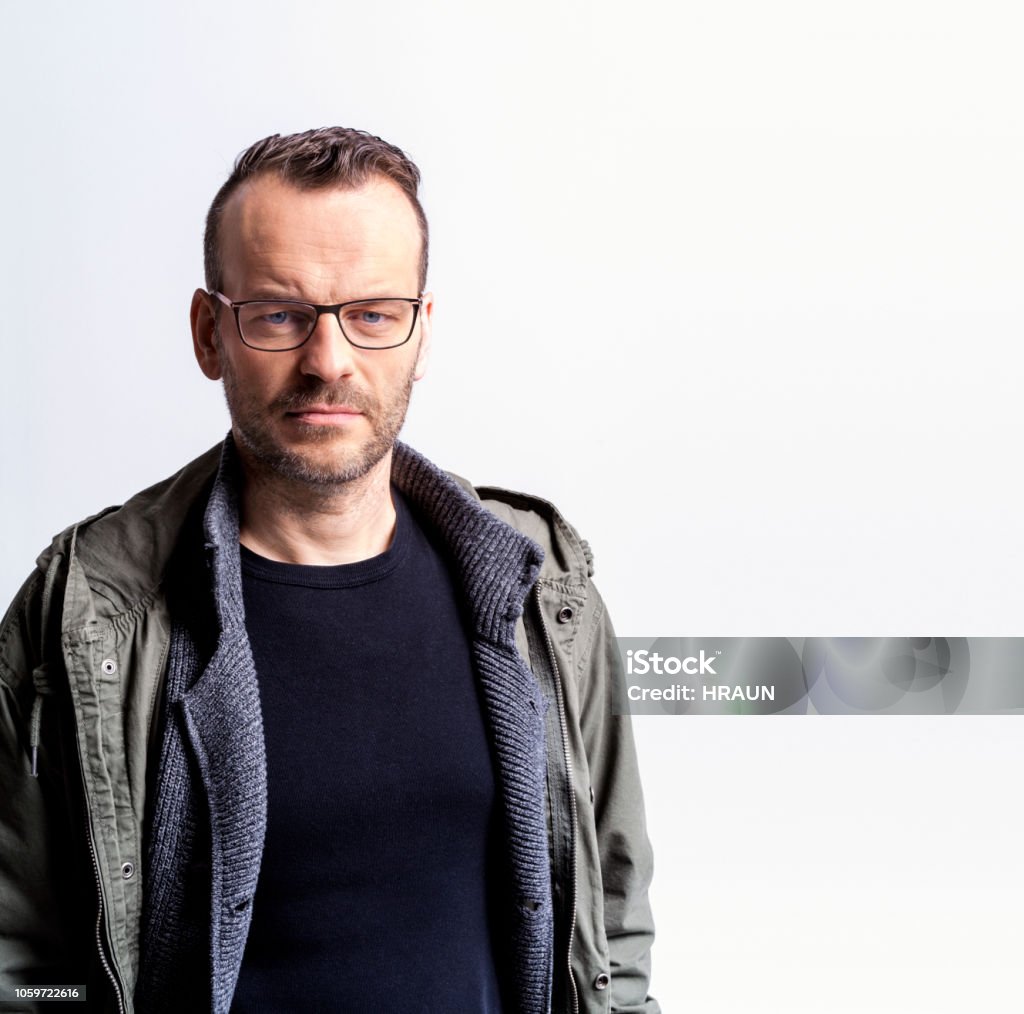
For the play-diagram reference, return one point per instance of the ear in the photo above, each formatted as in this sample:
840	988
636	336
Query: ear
203	324
426	332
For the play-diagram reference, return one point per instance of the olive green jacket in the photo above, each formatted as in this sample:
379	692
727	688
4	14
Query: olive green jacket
83	650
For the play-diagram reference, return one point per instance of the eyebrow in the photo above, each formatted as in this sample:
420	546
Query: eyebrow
276	295
286	293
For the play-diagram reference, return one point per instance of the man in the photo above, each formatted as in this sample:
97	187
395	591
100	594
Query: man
312	725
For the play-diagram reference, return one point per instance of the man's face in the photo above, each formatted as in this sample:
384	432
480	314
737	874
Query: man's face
326	412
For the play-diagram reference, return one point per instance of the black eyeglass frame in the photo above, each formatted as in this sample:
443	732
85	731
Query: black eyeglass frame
321	308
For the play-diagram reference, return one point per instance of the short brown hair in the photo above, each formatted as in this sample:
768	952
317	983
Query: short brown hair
328	156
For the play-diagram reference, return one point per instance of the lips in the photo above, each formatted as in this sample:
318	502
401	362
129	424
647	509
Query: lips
324	415
325	410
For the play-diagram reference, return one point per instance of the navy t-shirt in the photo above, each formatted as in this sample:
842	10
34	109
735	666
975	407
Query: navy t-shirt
382	862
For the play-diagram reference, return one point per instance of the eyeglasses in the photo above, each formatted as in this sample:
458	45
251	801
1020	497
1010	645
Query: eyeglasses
279	325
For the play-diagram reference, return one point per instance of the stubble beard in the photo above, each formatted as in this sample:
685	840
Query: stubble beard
252	424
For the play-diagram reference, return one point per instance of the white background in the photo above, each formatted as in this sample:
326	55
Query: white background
736	284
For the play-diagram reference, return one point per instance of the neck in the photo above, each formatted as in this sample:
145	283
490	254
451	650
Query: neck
293	522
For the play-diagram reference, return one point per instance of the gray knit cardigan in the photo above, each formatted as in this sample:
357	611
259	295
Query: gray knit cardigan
209	816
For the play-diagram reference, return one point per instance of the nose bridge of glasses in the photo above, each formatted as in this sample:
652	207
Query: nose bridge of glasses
327	351
333	312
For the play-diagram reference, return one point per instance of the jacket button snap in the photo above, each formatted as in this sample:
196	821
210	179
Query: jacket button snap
601	982
565	614
127	870
109	667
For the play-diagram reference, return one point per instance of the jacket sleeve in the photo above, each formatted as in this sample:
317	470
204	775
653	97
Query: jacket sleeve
38	882
624	849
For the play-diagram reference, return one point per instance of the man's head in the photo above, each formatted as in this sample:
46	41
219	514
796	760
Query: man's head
326	217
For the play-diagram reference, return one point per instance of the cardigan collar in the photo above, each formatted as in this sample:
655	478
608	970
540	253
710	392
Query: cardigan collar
495	565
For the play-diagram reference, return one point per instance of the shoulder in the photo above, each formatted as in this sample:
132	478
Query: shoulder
110	561
567	556
124	550
573	611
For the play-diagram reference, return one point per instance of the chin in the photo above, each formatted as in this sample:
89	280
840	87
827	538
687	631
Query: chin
316	466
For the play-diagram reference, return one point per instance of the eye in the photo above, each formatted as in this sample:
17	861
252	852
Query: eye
378	323
371	317
274	324
277	317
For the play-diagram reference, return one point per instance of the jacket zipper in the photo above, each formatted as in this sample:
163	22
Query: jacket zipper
572	794
99	924
107	967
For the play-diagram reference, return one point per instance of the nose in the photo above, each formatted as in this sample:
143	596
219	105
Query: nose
327	353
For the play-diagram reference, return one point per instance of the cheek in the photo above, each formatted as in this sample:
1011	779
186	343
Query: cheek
394	385
258	381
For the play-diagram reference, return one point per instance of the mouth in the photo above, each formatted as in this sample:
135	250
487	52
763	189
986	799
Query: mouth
324	415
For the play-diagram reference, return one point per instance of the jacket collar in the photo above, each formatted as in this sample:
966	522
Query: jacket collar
119	557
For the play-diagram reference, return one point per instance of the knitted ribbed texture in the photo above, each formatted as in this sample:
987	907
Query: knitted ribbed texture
213	727
214	730
495	565
171	945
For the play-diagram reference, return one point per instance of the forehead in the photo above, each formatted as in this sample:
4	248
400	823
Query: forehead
319	244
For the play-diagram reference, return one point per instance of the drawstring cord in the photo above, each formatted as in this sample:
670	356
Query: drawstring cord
43	689
41	674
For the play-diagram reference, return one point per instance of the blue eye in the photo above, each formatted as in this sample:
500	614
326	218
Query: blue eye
274	324
378	323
